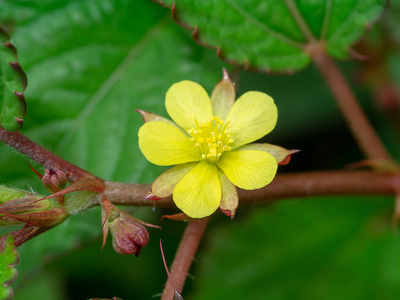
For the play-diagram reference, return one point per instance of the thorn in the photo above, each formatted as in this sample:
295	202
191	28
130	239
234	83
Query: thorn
178	217
357	55
15	65
19	120
219	53
195	33
34	170
83	184
19	95
177	296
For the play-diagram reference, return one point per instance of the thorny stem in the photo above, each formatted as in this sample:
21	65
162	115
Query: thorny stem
283	186
362	130
41	155
184	256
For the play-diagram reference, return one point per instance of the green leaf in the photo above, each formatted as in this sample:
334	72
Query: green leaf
8	259
12	86
322	248
276	35
113	56
86	83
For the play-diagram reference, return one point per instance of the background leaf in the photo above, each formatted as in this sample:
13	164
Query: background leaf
268	35
85	80
322	248
8	259
93	64
12	86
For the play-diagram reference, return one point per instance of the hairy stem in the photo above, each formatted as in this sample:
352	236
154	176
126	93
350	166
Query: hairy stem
42	156
283	186
184	256
362	130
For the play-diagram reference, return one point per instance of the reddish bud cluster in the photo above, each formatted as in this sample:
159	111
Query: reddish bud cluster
129	235
54	180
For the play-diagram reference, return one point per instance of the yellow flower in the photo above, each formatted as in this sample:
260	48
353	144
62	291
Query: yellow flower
208	145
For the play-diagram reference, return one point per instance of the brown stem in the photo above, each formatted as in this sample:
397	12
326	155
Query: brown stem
184	256
362	130
283	186
42	156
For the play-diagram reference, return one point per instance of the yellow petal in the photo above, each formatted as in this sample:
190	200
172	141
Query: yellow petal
198	194
165	145
186	100
229	198
163	186
252	116
249	169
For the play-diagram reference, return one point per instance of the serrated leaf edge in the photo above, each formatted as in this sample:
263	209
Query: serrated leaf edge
22	76
10	243
219	52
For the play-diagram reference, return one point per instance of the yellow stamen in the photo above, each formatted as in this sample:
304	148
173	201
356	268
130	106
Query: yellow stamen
212	137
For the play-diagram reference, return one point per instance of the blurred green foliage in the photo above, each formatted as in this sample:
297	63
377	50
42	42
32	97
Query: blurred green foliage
90	64
8	259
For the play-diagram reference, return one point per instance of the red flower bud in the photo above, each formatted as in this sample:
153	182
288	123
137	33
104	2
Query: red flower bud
54	180
37	214
129	235
28	208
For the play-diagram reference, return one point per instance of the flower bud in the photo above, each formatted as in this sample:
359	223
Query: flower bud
28	208
54	180
129	236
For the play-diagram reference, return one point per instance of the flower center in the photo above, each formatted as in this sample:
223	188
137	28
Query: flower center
212	137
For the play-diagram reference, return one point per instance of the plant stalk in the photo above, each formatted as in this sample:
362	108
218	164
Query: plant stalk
284	186
361	128
184	256
42	156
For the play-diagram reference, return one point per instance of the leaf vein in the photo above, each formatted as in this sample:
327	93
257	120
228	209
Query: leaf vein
344	24
109	83
265	28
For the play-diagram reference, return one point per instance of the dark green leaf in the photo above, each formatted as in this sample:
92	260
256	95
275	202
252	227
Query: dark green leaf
94	67
8	259
90	65
12	86
276	35
308	249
